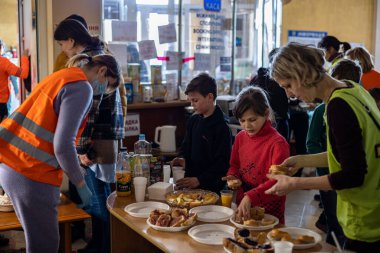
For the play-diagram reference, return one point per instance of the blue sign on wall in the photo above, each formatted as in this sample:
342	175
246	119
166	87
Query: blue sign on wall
213	5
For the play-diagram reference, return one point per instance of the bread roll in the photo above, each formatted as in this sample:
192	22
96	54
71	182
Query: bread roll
279	170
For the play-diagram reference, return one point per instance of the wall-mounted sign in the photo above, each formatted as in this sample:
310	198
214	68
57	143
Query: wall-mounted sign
213	5
305	37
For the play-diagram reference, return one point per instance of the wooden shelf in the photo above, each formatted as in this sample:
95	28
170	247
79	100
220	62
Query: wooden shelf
156	105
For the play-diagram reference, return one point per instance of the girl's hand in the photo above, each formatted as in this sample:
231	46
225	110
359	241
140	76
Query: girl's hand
293	163
284	185
243	210
232	182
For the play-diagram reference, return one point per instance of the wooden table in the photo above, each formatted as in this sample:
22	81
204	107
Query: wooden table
67	213
130	234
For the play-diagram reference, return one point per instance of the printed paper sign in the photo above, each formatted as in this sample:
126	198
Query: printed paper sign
202	62
124	30
147	49
132	124
167	33
305	37
119	51
225	60
171	78
175	60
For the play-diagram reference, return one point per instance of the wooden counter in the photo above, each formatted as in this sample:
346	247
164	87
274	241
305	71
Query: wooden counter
157	114
130	234
67	213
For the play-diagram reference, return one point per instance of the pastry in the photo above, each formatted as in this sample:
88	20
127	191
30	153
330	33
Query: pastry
305	239
252	222
279	170
233	183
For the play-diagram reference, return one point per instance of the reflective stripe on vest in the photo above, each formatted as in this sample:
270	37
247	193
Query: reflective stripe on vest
28	148
32	127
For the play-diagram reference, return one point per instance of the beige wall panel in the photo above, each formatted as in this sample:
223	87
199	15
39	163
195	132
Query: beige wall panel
348	20
8	22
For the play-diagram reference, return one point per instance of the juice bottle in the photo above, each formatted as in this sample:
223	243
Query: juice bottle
123	175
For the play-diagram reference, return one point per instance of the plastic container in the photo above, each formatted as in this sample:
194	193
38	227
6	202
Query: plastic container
123	175
142	146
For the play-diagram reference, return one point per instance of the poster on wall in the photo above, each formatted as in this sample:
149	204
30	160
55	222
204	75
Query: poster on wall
305	37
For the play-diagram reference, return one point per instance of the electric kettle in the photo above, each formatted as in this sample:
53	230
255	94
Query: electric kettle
165	137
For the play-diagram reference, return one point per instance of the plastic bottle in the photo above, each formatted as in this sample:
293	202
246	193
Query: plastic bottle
123	175
138	171
142	146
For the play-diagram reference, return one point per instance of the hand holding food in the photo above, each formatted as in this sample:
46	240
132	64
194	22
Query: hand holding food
232	182
279	170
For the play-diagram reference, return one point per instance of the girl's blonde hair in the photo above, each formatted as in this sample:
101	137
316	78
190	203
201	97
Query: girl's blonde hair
88	62
255	99
303	63
363	56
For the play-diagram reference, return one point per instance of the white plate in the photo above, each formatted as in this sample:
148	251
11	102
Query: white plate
168	229
212	213
143	209
295	232
212	234
227	250
257	228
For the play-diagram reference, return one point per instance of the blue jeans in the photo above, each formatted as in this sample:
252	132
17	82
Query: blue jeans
99	214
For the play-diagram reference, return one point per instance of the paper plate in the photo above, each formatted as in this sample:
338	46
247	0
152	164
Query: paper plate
212	213
258	228
169	229
212	234
295	232
143	209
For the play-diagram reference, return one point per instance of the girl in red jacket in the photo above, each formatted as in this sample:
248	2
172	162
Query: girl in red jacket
256	148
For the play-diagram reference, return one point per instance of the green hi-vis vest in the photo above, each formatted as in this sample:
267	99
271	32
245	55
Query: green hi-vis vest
358	209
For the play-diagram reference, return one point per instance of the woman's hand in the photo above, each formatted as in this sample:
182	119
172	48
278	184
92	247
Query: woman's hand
243	210
293	163
84	160
284	185
25	52
178	161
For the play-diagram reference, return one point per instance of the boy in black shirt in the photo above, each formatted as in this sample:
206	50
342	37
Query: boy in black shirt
206	149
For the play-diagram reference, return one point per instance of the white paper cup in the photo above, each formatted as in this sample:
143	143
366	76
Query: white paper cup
140	187
178	173
283	247
166	173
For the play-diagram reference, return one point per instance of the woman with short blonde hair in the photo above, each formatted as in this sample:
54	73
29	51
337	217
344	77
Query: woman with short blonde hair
353	141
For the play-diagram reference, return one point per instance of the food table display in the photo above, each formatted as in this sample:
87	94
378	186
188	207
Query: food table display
134	234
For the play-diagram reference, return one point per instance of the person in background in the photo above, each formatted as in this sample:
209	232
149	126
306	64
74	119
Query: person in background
375	93
353	141
277	98
371	77
206	148
99	143
316	142
48	122
345	46
62	58
256	148
333	50
7	69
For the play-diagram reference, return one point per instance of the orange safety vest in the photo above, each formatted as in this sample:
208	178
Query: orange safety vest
26	137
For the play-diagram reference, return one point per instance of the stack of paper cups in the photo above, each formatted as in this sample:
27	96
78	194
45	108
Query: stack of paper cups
140	187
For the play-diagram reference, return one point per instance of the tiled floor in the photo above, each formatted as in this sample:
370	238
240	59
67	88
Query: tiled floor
301	211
